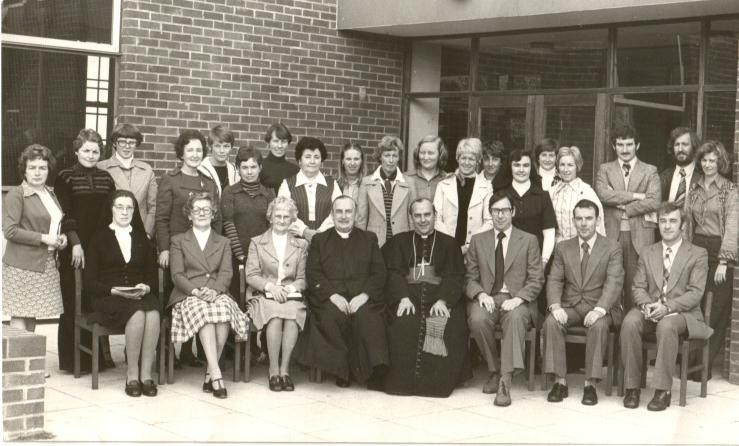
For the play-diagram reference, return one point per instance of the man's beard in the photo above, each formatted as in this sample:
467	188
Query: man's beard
688	160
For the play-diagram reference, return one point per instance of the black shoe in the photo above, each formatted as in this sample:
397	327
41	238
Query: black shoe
133	388
287	383
207	384
660	401
148	388
631	399
589	396
341	382
503	398
275	384
558	393
491	386
219	392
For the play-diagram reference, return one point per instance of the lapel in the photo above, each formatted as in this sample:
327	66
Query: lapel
572	251
374	191
678	265
265	241
193	249
292	247
655	261
450	186
480	190
595	256
399	194
618	181
513	249
637	173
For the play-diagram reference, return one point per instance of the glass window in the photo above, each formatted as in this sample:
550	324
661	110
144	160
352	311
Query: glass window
441	65
568	59
722	52
658	55
74	20
453	112
573	124
720	115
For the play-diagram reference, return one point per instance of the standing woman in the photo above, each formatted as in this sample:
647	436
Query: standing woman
546	159
495	166
351	169
712	224
460	199
216	166
429	161
82	190
276	168
275	271
312	192
571	189
31	222
384	196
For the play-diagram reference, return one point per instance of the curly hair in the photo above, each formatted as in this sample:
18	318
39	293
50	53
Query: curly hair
35	152
184	139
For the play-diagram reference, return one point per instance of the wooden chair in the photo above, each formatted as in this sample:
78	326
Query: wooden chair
578	335
686	347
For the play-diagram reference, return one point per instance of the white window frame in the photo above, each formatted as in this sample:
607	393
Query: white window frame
112	48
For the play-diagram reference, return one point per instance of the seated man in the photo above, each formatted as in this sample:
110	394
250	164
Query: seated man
497	286
346	276
668	287
583	289
427	324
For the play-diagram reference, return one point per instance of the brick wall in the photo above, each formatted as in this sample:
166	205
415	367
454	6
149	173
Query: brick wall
23	383
247	64
731	361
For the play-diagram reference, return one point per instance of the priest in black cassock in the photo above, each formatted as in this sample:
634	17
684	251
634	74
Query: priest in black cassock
345	334
427	332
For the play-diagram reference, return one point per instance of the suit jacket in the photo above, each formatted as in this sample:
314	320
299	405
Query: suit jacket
447	206
603	281
609	185
523	273
371	206
193	268
262	263
685	286
665	180
142	183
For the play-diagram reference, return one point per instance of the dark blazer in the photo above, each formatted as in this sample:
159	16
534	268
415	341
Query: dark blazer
523	273
684	288
665	179
193	268
603	281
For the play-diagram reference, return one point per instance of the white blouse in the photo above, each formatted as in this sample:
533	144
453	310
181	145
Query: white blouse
564	198
280	244
201	237
123	235
54	212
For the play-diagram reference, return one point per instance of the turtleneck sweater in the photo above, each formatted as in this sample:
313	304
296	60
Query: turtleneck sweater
274	170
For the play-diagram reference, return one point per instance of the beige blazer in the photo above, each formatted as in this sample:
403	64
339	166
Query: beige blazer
262	263
447	206
142	183
371	206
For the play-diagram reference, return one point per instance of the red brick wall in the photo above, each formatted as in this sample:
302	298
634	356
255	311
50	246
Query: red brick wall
731	367
23	384
247	64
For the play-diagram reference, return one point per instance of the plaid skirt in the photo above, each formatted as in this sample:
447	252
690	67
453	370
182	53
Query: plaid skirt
191	314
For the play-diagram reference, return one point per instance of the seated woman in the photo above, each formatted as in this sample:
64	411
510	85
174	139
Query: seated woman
200	261
121	276
277	302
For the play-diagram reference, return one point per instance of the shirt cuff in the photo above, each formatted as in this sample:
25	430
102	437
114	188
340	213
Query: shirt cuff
600	310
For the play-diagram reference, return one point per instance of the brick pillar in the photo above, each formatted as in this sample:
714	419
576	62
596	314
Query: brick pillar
731	367
24	356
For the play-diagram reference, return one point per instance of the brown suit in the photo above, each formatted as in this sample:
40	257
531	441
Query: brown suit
683	295
601	287
524	278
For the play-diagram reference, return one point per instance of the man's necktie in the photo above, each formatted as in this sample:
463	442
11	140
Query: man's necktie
627	169
584	261
666	270
681	187
499	264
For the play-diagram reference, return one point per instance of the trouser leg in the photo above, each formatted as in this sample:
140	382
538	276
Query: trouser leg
669	330
596	344
514	323
482	330
632	329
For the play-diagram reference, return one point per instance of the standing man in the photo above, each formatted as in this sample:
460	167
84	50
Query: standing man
630	192
677	181
667	290
502	288
583	289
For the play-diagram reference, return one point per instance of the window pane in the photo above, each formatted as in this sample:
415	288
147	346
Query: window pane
720	114
452	126
90	121
570	59
658	55
104	68
722	52
93	67
574	125
441	65
81	20
505	123
103	96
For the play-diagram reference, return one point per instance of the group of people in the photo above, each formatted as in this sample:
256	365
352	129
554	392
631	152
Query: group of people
379	278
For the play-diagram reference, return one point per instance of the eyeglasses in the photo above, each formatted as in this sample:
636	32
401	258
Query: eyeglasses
126	143
206	211
121	208
500	211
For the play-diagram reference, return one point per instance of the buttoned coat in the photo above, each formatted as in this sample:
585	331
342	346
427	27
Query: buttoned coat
193	268
447	206
371	206
262	263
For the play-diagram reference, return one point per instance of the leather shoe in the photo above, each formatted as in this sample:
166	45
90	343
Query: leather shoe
660	401
558	393
275	384
287	383
589	396
207	384
491	386
148	388
219	390
631	399
341	382
503	398
133	388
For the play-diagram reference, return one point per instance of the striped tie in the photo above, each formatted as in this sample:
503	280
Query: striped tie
680	195
666	270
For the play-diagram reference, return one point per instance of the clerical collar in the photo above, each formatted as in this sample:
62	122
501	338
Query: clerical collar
344	235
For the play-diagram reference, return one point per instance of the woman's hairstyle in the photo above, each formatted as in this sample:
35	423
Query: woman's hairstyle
342	170
197	196
546	145
310	143
517	155
220	133
246	153
35	152
572	151
126	131
106	214
87	135
470	145
282	202
723	162
440	148
493	149
184	139
280	130
388	143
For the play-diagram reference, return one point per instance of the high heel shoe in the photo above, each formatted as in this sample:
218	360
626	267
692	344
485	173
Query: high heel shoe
220	391
207	384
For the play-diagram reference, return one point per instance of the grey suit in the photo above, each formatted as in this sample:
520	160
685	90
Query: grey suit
524	278
601	287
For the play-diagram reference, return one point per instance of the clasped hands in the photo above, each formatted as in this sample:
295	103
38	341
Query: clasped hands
406	307
560	315
349	307
141	290
279	292
488	303
654	311
205	294
57	242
